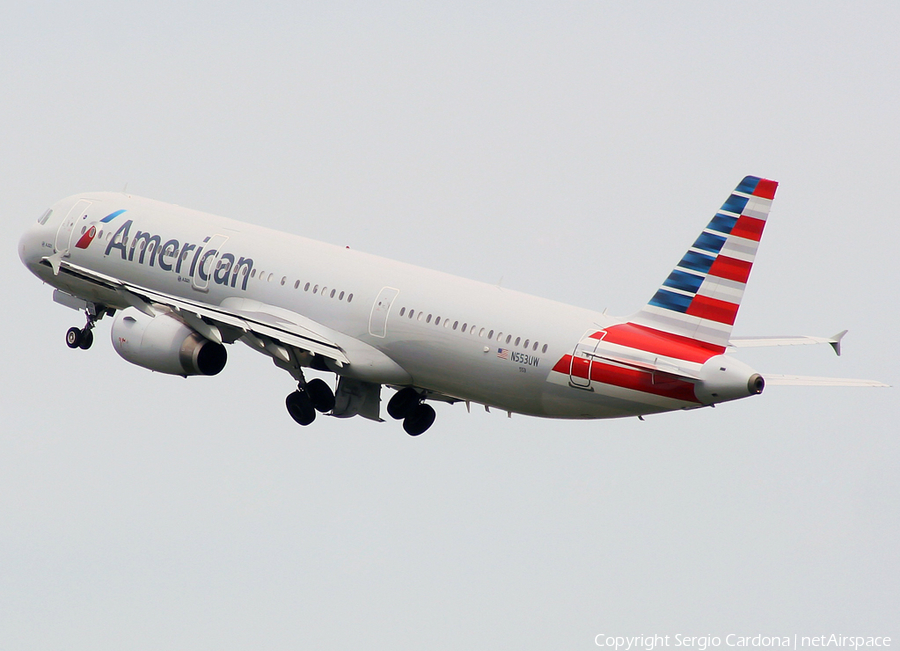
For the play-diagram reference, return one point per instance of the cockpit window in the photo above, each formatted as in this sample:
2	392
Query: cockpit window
43	219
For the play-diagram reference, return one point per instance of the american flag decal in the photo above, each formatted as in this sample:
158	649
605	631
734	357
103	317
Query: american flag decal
503	353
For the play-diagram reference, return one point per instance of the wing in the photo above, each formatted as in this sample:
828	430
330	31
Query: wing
266	327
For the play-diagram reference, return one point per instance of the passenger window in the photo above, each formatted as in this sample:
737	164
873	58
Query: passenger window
455	323
525	345
315	289
481	332
544	349
535	346
402	311
341	296
283	280
491	334
437	321
332	293
350	298
518	339
252	273
428	320
297	284
508	338
464	327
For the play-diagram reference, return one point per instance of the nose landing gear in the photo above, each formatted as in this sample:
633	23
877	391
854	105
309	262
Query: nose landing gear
79	338
83	337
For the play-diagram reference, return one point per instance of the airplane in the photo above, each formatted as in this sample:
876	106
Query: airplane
182	285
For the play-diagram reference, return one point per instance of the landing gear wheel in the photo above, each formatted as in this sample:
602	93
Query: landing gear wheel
87	339
419	420
73	338
321	395
403	403
300	407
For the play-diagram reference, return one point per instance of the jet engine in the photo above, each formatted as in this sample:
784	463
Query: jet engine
165	344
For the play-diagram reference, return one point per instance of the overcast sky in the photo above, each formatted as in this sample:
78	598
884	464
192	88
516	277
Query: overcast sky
568	149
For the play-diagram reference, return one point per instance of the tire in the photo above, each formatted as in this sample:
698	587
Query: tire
421	418
300	407
321	395
403	403
73	338
87	339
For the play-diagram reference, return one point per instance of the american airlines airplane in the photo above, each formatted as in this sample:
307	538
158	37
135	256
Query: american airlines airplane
182	284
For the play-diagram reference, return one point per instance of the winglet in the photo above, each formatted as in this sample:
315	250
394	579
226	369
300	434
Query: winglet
835	341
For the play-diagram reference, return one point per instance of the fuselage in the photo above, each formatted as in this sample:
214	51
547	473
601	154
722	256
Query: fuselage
455	337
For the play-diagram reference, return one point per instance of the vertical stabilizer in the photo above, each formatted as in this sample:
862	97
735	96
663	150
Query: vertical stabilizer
700	298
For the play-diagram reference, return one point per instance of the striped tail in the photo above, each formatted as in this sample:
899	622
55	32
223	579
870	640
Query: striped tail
700	298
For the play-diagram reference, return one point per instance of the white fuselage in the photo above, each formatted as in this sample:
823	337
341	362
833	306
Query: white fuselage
465	340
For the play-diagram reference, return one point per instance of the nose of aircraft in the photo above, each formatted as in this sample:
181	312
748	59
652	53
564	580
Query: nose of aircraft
33	244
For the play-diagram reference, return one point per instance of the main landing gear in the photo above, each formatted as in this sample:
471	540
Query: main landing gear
314	396
83	337
416	415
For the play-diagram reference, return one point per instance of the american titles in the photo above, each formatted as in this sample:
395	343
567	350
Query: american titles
188	259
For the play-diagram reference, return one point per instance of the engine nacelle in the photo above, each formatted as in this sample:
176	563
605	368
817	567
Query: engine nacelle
165	344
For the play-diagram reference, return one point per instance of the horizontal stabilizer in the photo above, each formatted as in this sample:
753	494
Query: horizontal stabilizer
788	340
806	381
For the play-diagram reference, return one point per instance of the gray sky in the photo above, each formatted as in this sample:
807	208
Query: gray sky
573	150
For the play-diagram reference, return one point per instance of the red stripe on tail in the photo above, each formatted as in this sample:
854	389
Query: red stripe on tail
660	343
749	228
765	189
730	269
713	309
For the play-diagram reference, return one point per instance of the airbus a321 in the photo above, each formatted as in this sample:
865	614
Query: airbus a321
183	284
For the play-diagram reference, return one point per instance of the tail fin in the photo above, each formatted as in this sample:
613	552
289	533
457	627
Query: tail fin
700	298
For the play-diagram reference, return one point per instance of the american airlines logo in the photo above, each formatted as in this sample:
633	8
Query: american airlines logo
173	256
86	239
